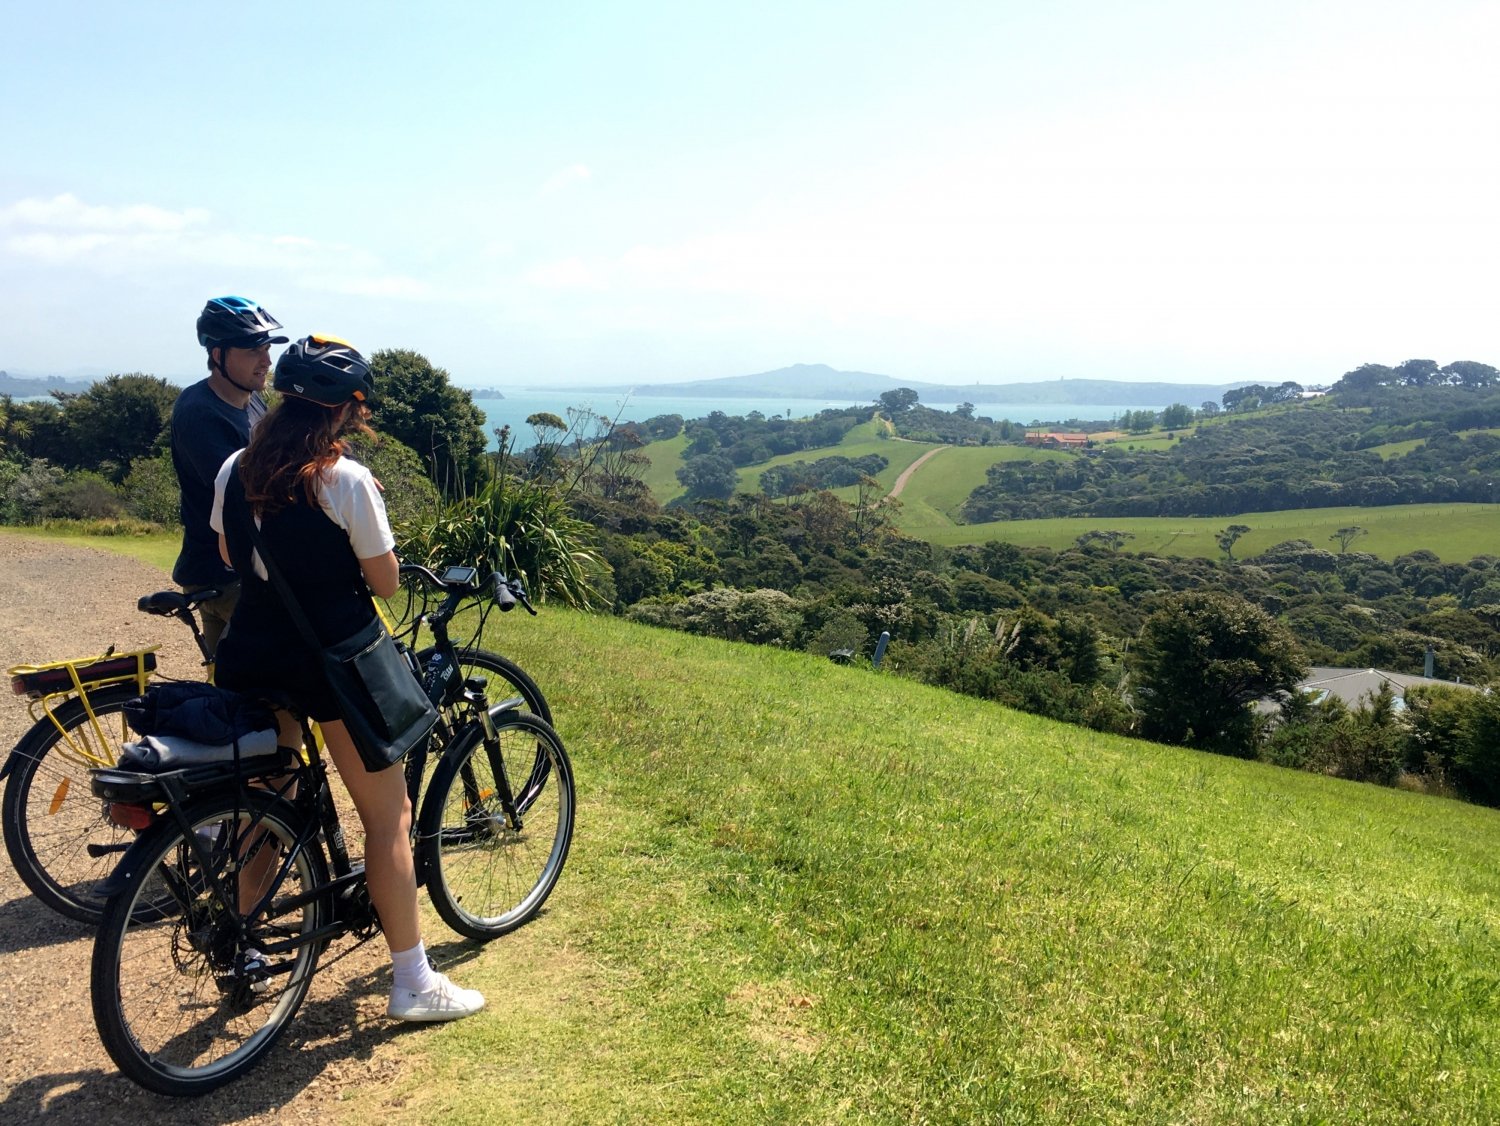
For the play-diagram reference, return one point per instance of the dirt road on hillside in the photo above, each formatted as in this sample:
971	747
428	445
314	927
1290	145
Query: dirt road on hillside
912	468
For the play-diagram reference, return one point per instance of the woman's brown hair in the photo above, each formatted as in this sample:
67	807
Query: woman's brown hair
292	445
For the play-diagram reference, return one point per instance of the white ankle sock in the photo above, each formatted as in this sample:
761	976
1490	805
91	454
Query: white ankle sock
412	970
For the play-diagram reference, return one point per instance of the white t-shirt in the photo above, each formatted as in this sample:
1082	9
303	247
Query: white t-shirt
347	494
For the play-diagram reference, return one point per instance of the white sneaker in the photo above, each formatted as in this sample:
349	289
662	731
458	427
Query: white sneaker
445	1001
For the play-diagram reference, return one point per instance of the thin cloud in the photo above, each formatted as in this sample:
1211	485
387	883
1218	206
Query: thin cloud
64	231
565	178
68	213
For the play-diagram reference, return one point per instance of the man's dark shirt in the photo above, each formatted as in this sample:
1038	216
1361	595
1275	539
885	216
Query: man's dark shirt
205	431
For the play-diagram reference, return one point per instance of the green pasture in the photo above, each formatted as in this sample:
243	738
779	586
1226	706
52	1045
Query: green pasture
1152	440
1454	532
859	442
935	492
1389	450
666	459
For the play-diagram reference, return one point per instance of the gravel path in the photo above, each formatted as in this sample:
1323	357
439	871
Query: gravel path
58	601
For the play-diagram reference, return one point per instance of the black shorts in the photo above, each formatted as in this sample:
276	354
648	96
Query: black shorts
290	672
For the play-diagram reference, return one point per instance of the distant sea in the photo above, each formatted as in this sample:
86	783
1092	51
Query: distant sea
516	407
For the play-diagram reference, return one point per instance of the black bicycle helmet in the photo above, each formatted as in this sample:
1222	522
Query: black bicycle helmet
325	370
236	322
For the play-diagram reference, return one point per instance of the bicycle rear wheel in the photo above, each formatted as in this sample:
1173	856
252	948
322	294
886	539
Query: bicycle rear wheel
187	1002
496	825
58	837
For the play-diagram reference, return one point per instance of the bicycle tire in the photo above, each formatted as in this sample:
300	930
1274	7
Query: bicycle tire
49	812
513	680
486	875
512	676
176	1006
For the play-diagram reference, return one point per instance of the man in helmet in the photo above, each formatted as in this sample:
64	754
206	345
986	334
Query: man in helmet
210	420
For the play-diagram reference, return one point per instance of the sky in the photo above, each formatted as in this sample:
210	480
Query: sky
593	193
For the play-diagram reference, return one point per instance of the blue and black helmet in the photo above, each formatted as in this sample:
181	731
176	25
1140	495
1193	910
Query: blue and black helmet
326	370
236	322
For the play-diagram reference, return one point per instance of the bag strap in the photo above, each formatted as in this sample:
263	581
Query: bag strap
234	490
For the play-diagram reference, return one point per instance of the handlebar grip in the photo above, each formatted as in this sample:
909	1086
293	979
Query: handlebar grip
504	597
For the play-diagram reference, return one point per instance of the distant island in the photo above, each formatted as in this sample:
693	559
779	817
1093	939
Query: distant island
485	392
30	387
819	381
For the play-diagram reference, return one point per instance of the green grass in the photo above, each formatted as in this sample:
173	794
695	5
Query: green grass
936	492
800	892
666	460
1151	441
156	548
1455	532
861	441
1398	449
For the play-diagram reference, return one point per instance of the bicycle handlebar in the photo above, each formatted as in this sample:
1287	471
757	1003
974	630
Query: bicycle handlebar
461	582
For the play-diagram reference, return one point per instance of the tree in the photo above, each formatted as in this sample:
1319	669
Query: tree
1243	398
417	405
1418	373
116	421
1111	538
1366	377
1202	660
709	477
1468	373
1348	535
901	399
1176	416
1229	537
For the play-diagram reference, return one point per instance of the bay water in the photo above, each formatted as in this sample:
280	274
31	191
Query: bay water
626	406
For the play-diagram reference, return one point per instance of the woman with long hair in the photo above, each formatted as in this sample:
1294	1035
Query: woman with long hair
321	517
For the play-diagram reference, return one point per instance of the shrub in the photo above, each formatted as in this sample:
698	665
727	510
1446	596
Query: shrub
84	495
151	490
515	526
763	617
27	490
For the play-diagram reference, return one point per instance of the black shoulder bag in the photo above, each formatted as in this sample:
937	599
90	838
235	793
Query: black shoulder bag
380	698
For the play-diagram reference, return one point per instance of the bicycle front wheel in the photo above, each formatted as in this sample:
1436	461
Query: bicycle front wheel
59	840
504	679
496	825
189	998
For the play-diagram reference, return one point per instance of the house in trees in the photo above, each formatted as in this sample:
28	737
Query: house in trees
1052	440
1356	687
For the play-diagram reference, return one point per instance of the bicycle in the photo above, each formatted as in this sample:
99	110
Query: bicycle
190	990
59	839
58	842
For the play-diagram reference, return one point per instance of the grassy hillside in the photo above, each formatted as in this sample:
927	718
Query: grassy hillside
666	460
805	892
1455	532
862	440
801	892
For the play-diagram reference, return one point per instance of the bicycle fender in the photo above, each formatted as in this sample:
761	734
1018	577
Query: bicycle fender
18	752
132	858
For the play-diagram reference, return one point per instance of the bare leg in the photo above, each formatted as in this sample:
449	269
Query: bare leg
255	876
385	812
